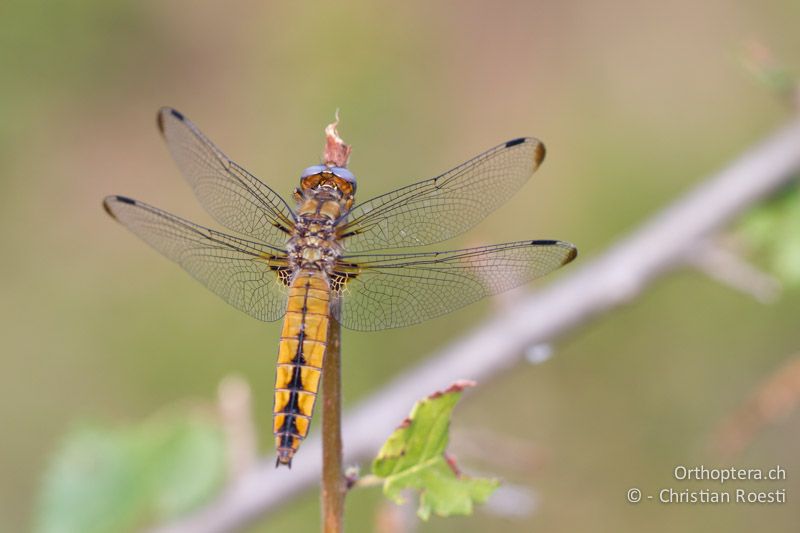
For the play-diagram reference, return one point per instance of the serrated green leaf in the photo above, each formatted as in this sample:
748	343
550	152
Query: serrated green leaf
413	457
118	479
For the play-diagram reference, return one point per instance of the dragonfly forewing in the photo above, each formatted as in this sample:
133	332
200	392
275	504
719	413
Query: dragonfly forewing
443	207
234	197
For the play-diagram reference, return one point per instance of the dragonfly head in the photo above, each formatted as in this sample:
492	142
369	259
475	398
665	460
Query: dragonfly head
338	178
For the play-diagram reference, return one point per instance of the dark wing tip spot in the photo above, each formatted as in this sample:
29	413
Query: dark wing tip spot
123	199
515	142
162	112
108	209
541	151
572	252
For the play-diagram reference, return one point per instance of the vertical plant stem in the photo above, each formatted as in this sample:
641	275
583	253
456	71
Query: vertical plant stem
333	484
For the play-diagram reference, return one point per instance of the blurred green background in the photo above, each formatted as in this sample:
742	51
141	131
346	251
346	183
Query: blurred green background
635	102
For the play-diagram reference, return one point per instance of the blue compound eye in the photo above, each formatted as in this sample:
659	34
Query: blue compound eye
344	174
310	171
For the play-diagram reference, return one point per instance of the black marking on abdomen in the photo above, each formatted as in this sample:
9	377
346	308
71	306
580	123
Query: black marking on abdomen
299	357
297	378
289	427
291	407
286	439
296	384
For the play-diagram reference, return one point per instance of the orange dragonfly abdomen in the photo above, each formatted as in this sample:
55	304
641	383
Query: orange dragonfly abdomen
302	350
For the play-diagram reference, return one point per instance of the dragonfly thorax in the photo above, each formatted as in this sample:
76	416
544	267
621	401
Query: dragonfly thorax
314	243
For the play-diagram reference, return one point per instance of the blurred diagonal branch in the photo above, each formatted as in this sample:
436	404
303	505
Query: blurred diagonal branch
660	245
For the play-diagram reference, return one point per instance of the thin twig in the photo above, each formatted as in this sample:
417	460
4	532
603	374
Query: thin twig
333	482
333	489
613	278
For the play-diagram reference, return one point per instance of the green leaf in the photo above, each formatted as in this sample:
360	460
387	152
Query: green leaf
118	479
414	457
771	230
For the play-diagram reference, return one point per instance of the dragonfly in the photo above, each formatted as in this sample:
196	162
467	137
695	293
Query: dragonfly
330	258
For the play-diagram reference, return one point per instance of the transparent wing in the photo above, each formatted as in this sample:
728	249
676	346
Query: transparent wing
247	275
233	196
395	290
437	209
